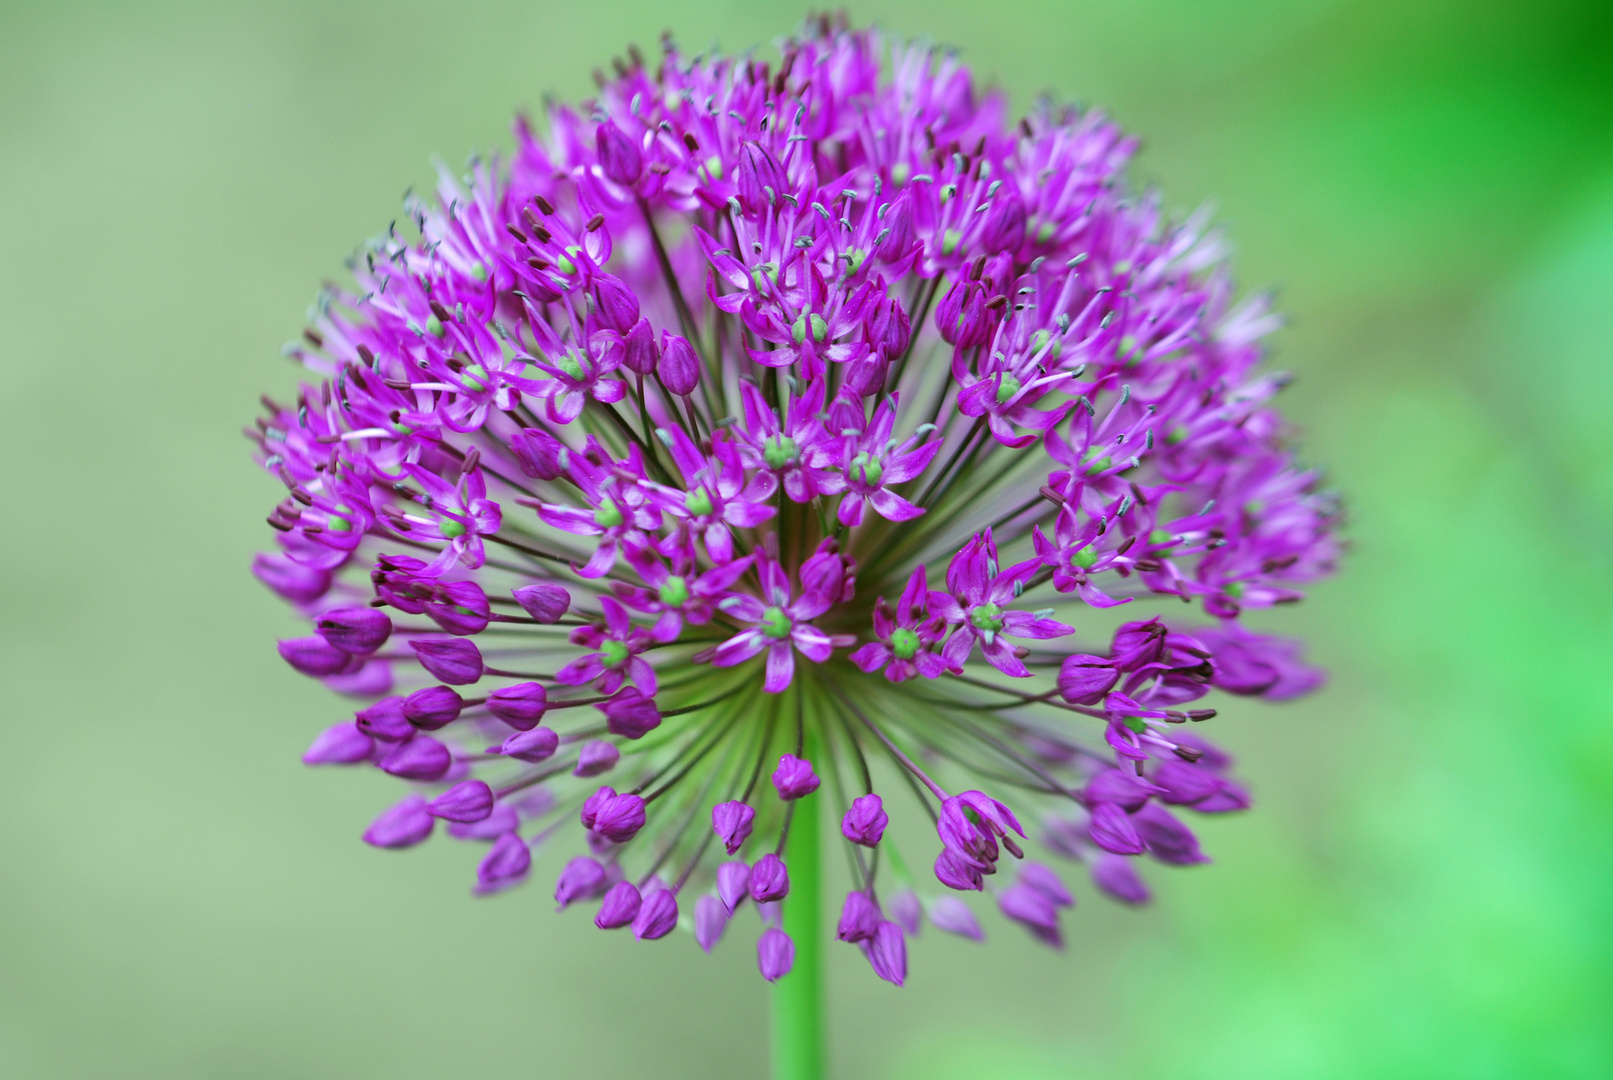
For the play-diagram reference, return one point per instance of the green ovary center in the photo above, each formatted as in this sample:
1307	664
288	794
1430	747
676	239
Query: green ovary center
697	502
986	617
674	592
607	516
1084	558
775	624
571	366
613	653
1007	389
452	529
868	468
820	329
904	643
779	451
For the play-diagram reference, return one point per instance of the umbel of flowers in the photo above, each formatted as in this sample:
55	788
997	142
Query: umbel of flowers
762	433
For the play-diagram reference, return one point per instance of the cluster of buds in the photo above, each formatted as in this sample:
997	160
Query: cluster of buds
638	456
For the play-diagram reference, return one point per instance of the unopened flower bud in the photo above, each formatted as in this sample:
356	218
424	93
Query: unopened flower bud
1167	838
887	953
759	179
1125	789
657	916
732	822
619	818
906	911
385	720
1004	227
889	329
859	918
1084	680
521	706
619	156
1047	882
616	304
710	920
340	744
539	454
620	906
536	744
421	758
356	630
900	236
432	707
291	579
471	800
630	714
544	601
314	656
952	915
680	366
404	825
1035	912
503	819
641	355
451	660
865	822
582	879
505	864
769	879
733	884
596	757
794	777
1117	876
961	316
591	805
866	376
775	953
1111	829
1185	784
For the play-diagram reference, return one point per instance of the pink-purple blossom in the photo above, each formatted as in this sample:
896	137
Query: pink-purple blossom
764	430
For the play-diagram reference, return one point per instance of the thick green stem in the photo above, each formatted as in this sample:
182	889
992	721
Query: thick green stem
798	1050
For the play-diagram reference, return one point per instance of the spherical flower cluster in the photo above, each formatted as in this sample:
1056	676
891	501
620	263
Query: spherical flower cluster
783	422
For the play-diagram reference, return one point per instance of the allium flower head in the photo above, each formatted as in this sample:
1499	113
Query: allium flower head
762	433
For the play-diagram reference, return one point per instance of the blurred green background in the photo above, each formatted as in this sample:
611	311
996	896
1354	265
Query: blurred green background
1425	888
